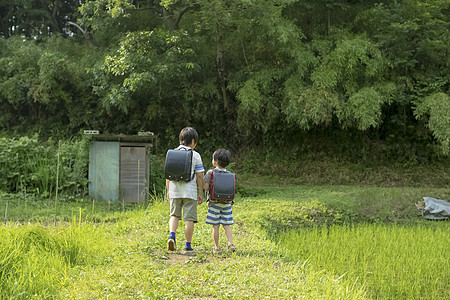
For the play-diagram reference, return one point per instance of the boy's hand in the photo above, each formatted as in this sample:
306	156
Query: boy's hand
199	178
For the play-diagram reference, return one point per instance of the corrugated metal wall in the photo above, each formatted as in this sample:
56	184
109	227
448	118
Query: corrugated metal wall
118	171
104	170
133	173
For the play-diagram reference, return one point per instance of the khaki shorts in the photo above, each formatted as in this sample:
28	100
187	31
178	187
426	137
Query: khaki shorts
189	207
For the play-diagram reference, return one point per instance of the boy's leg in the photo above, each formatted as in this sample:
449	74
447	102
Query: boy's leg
173	224
215	233
229	234
189	217
189	230
175	215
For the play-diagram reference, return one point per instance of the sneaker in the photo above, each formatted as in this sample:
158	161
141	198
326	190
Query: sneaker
188	249
231	248
171	244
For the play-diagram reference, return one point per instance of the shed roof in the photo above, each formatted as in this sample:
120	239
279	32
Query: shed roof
124	138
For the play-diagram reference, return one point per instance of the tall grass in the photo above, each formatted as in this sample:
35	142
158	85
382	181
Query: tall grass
33	209
35	260
394	262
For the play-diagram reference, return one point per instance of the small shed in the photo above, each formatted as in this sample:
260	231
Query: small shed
119	166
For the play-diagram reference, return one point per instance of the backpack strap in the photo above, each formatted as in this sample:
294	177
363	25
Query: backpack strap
220	171
182	147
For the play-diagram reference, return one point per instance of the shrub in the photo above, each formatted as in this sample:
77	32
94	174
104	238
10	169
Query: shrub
28	166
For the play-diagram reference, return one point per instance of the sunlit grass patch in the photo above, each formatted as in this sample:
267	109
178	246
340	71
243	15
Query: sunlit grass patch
394	262
141	267
35	259
205	276
257	277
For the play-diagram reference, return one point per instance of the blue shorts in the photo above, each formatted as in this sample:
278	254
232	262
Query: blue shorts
220	214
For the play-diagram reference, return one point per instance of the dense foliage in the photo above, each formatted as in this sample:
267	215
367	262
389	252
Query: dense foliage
244	73
29	167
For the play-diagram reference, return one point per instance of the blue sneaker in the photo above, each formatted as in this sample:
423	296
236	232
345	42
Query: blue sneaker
171	244
189	251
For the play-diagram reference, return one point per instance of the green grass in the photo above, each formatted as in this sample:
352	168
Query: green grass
141	267
394	262
35	259
25	208
325	168
328	242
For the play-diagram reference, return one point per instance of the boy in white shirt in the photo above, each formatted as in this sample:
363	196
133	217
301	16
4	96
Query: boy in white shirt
183	195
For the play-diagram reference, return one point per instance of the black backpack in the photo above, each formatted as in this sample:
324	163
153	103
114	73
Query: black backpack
179	165
222	186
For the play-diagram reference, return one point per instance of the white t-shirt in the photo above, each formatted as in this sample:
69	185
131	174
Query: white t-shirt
180	189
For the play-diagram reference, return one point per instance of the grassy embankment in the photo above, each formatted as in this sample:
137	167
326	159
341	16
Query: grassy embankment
282	253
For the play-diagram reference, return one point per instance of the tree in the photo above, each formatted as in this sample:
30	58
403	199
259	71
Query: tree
413	35
37	19
146	73
41	86
347	83
246	37
240	71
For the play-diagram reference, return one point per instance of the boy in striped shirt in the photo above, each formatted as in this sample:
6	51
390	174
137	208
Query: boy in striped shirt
219	212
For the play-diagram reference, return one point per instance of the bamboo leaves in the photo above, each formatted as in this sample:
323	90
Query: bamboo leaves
144	61
437	108
347	83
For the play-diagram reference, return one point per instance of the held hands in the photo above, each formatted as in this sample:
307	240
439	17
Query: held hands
200	198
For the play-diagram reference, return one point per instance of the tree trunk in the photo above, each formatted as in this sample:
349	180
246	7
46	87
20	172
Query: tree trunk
228	106
5	27
56	16
328	21
172	21
85	32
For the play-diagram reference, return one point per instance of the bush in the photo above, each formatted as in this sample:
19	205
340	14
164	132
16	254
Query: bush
30	167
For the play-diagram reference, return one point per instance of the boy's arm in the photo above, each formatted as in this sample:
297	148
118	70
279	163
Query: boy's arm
200	183
206	180
167	189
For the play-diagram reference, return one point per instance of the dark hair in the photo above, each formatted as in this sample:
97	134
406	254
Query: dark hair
188	134
223	157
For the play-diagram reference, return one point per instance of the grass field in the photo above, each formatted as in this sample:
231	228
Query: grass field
406	262
328	242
